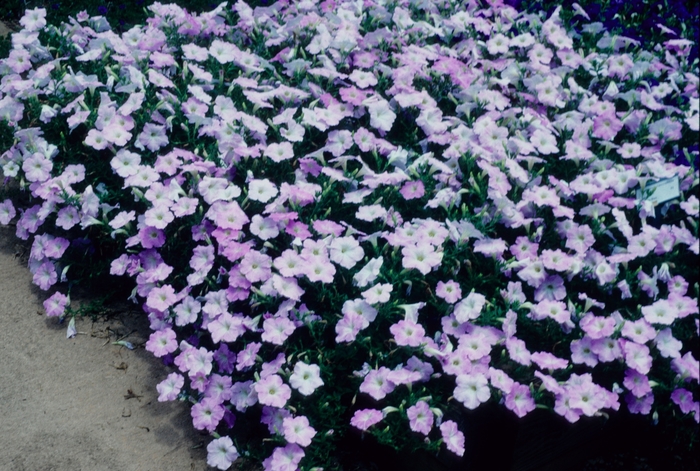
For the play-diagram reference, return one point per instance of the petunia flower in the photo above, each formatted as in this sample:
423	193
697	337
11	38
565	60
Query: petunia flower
422	257
45	275
407	333
297	430
207	414
277	329
691	206
7	212
586	397
452	437
370	213
378	294
412	190
639	405
637	357
221	453
472	390
597	327
37	168
470	307
517	351
162	342
544	142
381	115
519	400
170	387
55	305
661	312
684	400
639	331
362	78
346	252
306	378
349	326
117	135
247	356
363	419
152	137
420	417
272	391
606	126
450	291
285	458
376	383
547	361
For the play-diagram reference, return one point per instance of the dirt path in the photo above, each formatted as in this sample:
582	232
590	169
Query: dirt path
81	404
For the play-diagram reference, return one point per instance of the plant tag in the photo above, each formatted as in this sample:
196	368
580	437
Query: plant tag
661	191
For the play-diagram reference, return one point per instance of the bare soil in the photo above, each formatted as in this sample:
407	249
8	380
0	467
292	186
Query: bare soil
82	404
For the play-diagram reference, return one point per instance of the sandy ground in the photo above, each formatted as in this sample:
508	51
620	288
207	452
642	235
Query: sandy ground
82	404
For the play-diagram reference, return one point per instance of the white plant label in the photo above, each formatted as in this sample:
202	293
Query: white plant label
661	191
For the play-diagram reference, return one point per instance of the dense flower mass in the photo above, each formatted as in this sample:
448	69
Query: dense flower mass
370	215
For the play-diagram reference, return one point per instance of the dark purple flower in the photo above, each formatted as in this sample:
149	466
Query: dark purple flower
167	359
229	418
102	10
593	10
681	159
193	340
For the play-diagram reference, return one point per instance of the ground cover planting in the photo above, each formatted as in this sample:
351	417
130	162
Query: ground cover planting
369	216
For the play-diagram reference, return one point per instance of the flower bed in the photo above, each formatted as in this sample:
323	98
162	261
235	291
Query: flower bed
369	216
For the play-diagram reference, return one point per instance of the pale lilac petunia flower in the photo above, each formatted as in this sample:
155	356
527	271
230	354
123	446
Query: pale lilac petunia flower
412	190
152	137
162	342
7	212
420	417
376	383
297	430
161	298
363	419
470	307
349	326
170	387
637	357
272	391
207	414
519	400
408	333
452	437
472	390
277	329
221	453
306	378
55	306
284	459
45	275
346	252
450	291
262	190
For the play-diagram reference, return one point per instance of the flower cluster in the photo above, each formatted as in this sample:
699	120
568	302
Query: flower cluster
370	215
